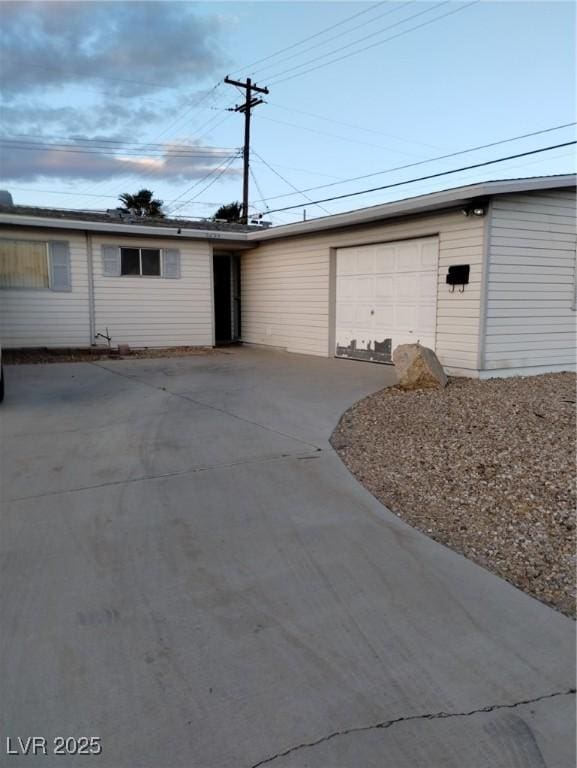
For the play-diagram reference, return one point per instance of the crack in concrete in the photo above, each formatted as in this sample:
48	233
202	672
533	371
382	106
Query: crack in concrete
163	475
207	405
428	716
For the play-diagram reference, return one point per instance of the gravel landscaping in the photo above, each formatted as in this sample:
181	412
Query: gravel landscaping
485	467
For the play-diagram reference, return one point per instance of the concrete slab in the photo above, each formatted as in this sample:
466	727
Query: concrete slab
256	599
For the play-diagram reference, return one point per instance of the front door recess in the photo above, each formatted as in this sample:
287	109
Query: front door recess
386	296
226	297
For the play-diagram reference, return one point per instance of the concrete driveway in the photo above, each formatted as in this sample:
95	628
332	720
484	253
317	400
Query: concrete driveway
190	574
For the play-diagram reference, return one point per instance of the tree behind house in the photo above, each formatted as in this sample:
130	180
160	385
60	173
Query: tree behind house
142	204
231	213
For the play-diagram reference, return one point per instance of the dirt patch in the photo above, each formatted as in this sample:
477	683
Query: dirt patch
485	467
27	356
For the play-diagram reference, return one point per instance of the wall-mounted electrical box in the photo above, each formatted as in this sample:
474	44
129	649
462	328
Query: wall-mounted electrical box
458	274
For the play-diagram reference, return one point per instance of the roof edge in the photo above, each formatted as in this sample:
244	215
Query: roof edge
433	201
421	204
180	233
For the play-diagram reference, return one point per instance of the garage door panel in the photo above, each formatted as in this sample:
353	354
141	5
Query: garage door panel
363	317
426	318
427	285
349	265
384	317
429	254
405	317
345	288
384	287
366	261
386	295
385	256
408	257
345	314
365	287
404	286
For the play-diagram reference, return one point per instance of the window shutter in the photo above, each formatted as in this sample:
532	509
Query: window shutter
171	263
59	256
110	261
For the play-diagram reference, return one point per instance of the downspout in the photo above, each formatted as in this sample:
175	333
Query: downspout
91	300
485	270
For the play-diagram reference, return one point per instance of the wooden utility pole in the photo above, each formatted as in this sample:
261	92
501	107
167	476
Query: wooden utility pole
250	102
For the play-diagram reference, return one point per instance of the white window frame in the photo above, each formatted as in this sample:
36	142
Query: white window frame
140	249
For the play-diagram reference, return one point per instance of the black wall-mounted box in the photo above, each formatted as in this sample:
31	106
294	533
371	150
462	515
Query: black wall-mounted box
458	274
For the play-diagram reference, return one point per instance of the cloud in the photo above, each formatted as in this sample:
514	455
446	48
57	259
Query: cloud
173	163
107	70
42	119
129	48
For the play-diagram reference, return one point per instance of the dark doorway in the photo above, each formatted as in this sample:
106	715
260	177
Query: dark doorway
226	298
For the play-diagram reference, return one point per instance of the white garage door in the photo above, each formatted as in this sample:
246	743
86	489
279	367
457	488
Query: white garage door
386	295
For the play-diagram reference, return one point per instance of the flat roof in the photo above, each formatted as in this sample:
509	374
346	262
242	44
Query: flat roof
434	201
95	221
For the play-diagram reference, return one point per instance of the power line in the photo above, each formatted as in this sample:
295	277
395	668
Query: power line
311	37
92	76
478	176
434	159
350	125
373	45
60	192
340	34
361	39
192	108
336	136
304	170
130	151
22	138
431	176
155	170
103	153
257	185
216	178
197	182
167	128
286	181
79	194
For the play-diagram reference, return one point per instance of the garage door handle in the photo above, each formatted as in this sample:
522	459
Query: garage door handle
372	311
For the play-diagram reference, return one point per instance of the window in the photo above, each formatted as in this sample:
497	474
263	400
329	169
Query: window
35	265
140	262
143	262
24	264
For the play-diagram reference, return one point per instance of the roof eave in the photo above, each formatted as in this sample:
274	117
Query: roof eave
113	227
450	198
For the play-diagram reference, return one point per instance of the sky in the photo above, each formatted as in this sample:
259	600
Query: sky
97	99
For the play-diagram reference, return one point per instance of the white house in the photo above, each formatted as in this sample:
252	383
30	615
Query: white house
484	274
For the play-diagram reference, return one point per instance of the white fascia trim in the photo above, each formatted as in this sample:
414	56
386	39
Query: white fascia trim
449	198
421	204
125	229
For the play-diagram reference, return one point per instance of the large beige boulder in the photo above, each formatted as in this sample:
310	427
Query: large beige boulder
418	367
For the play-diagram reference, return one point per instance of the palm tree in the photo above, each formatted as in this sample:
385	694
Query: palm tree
142	204
231	213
